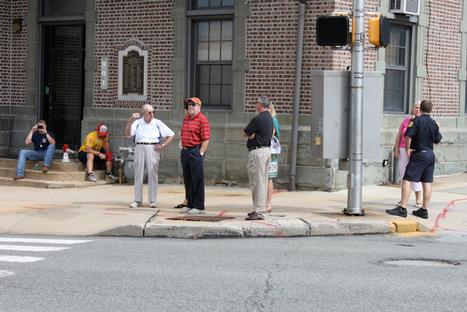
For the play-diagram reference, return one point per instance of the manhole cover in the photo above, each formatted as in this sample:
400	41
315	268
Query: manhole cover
421	262
201	218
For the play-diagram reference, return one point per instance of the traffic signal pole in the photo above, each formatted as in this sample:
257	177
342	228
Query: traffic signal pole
355	176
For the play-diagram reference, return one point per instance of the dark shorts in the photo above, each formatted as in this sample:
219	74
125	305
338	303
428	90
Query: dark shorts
98	163
420	167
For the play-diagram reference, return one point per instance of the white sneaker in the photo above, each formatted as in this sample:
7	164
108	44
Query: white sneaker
135	205
196	211
152	205
185	210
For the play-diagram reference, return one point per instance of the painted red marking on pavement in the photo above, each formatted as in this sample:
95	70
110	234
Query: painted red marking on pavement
277	233
222	213
444	212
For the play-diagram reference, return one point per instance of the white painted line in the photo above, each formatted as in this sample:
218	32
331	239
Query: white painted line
31	248
19	259
4	273
42	241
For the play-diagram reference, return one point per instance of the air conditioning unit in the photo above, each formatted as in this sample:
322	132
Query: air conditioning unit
410	7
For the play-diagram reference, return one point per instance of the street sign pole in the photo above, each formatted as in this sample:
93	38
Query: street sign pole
355	176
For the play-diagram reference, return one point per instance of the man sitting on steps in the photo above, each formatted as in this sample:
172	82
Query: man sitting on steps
44	148
96	151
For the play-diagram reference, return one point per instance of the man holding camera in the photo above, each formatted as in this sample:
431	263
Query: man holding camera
44	148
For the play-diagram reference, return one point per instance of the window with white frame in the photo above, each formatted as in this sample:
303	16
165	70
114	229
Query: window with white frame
397	76
132	74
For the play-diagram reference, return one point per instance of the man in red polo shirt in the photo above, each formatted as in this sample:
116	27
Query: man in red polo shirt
194	136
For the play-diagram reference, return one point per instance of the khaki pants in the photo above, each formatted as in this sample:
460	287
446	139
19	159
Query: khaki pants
258	169
146	156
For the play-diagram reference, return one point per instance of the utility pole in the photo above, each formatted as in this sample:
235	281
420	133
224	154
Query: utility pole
355	176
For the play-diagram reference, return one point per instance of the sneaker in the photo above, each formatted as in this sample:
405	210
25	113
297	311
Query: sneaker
152	205
45	169
92	177
110	177
398	211
135	205
254	216
421	213
185	210
196	211
18	177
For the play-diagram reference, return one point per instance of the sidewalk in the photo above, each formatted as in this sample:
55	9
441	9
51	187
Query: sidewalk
103	210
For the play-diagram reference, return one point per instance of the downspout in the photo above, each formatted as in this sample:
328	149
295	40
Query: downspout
296	103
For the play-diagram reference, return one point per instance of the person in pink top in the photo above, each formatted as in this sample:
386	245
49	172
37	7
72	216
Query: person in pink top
400	152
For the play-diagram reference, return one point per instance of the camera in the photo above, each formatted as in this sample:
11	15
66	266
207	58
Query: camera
40	127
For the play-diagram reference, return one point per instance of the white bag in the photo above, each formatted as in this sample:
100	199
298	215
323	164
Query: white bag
275	145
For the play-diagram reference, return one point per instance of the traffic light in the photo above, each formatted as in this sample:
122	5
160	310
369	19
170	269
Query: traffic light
332	30
379	31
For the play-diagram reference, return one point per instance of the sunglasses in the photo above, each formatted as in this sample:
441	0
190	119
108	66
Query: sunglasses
150	112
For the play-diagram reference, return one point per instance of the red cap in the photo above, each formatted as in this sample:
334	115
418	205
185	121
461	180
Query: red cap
102	130
195	100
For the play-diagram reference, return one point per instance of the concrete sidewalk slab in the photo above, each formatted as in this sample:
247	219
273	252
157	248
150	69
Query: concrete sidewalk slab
103	210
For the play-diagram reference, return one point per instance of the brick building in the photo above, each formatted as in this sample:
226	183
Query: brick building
77	62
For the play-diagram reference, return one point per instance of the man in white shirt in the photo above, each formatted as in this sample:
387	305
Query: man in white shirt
151	136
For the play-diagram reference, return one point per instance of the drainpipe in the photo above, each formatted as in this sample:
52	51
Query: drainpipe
296	103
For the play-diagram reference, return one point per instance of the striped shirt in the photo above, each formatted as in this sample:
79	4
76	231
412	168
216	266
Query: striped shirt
195	130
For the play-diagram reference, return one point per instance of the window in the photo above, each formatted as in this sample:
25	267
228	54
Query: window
132	74
212	4
63	7
396	80
212	49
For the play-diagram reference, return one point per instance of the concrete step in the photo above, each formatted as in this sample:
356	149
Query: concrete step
57	165
48	184
52	175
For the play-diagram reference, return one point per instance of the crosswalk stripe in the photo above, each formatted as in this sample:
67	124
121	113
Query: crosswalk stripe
19	259
4	273
31	248
42	241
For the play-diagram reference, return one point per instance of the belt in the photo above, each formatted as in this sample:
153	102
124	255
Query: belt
256	147
190	147
147	143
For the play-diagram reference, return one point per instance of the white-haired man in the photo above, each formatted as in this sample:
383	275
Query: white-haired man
151	136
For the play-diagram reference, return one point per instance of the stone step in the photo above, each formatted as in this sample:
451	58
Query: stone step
57	165
52	175
48	184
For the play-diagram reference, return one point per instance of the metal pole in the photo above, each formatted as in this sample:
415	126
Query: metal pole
355	177
296	103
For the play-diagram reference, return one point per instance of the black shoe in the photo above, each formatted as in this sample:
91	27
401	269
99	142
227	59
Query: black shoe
421	213
398	211
254	216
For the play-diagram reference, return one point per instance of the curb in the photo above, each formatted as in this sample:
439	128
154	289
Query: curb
268	228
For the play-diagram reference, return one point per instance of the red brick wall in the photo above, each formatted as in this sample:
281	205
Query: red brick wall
443	56
271	46
147	24
13	44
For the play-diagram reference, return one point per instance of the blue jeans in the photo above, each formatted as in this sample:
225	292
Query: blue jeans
26	154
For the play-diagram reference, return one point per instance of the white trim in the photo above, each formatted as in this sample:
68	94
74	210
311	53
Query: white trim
132	97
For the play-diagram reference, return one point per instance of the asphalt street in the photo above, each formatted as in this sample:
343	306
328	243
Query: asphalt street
340	273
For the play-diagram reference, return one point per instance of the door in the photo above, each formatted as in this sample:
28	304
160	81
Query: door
63	82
